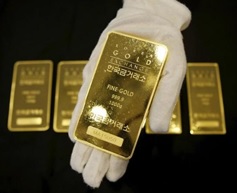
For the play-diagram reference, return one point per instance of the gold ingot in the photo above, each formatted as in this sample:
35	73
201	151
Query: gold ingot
30	100
68	83
175	126
205	102
122	88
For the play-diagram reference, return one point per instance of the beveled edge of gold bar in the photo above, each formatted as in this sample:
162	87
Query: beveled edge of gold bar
60	64
216	65
203	64
12	94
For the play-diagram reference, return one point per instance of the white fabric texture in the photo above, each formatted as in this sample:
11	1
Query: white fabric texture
160	21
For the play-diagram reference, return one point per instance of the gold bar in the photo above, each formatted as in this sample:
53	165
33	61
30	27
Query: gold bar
30	100
206	110
175	126
120	94
68	83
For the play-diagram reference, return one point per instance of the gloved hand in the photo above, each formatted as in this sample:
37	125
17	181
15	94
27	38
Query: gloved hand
159	21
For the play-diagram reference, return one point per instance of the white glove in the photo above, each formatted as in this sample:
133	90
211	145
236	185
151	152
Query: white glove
159	21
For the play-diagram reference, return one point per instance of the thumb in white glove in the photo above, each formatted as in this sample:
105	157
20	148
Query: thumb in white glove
159	21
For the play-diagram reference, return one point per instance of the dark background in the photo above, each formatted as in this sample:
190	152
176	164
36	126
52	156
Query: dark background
38	162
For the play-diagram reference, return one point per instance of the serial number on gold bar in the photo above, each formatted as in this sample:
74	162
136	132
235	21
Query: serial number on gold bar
175	126
30	100
117	102
206	110
68	83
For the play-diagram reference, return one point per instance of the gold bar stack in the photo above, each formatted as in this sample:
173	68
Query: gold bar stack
206	110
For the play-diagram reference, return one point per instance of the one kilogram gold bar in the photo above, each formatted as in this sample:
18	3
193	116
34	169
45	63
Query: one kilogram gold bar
206	110
68	83
175	126
30	100
120	94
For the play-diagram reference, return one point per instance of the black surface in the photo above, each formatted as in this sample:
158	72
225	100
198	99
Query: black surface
36	162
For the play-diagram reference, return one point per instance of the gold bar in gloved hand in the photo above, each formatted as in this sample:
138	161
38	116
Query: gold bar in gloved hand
68	83
29	108
120	94
175	126
206	110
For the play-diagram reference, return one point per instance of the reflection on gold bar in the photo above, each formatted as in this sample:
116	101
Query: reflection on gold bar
175	126
206	111
29	108
123	85
68	83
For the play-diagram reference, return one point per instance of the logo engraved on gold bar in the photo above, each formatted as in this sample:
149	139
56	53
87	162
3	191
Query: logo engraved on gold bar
120	93
29	107
206	110
68	83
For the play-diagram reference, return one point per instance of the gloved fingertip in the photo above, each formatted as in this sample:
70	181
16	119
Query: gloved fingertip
96	168
159	125
159	117
117	168
93	183
79	157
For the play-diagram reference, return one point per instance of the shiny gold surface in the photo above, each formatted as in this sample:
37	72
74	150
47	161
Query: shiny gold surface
175	126
120	94
29	108
206	111
68	83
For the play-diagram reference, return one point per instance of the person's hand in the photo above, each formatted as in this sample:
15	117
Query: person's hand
159	21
